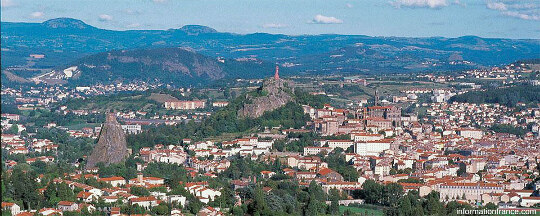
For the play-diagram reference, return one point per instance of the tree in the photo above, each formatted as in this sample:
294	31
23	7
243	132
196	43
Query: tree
275	203
14	129
139	191
453	206
312	206
132	209
405	207
391	194
432	205
64	192
462	169
237	211
226	200
25	188
161	209
334	206
258	206
316	190
348	212
194	205
336	161
371	192
410	205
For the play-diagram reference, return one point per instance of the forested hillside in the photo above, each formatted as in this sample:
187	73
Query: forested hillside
506	96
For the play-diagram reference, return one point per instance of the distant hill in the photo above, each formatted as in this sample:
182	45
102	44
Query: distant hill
166	65
66	40
66	23
197	29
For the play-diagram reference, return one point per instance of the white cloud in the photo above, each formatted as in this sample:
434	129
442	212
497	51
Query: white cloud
133	25
37	14
458	2
525	6
521	10
320	19
132	12
420	3
159	1
349	5
7	3
497	6
520	15
274	25
105	17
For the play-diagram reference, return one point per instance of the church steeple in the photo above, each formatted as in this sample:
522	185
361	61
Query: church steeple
276	75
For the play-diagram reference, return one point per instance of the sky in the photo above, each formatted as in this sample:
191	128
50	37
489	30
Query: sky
406	18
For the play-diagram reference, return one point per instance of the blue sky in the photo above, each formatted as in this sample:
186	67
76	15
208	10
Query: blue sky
424	18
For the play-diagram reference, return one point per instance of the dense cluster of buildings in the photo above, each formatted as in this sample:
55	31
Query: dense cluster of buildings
446	150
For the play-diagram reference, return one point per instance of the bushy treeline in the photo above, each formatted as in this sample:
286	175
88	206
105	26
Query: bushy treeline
505	96
396	202
506	128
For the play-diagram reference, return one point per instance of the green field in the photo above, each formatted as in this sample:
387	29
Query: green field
361	211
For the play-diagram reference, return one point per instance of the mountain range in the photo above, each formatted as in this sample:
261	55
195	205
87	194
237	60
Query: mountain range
66	42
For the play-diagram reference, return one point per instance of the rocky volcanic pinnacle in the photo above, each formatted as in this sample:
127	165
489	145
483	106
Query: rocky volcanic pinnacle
278	93
111	146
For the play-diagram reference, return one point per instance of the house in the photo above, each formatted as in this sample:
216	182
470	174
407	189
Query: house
115	181
12	207
267	174
209	211
529	201
184	105
49	211
110	199
200	190
176	199
469	191
140	180
176	212
470	133
145	202
313	150
306	175
237	184
220	104
373	147
67	206
115	211
341	186
86	196
330	175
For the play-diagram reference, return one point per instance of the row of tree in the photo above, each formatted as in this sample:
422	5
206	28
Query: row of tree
396	202
509	96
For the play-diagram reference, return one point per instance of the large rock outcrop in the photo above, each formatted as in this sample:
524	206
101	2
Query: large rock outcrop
112	146
274	94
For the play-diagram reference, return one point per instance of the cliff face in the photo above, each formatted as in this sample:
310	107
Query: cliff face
111	146
275	94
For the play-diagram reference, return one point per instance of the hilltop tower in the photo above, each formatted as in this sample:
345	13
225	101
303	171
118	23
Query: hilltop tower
276	75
